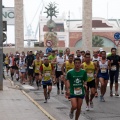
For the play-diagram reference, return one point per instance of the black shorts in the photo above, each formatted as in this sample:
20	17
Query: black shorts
30	72
58	73
15	67
12	67
6	65
77	96
36	74
91	84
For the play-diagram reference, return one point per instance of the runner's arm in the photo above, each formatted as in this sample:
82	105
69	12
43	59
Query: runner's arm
109	64
62	68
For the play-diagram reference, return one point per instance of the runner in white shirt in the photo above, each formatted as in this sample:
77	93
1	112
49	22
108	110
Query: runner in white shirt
96	59
59	60
22	67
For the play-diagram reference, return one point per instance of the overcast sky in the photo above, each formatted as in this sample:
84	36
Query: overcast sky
101	8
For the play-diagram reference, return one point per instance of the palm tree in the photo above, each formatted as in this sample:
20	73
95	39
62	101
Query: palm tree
97	41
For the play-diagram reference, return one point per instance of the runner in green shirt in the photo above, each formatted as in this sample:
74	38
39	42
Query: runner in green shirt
76	80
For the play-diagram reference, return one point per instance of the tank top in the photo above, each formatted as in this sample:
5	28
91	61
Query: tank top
103	67
90	69
37	66
95	59
60	61
47	72
6	60
11	62
69	65
22	65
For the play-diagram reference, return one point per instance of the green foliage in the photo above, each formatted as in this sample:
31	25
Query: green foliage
97	41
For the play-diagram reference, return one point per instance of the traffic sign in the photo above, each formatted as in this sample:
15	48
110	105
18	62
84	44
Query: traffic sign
117	36
49	43
4	37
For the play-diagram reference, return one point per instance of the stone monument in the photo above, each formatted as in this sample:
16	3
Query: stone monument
50	38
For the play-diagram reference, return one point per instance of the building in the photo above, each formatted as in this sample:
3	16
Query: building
70	31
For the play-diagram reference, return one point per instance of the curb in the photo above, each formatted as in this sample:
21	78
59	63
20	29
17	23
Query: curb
33	101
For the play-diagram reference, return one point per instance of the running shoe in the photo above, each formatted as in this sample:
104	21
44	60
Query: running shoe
71	115
87	108
62	92
116	94
111	93
45	101
91	105
103	100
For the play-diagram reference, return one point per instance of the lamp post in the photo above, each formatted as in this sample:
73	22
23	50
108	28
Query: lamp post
1	47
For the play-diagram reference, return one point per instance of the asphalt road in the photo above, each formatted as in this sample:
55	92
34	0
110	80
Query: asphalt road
58	106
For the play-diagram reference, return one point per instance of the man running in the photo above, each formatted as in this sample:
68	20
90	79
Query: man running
114	71
59	60
95	59
75	87
37	63
90	68
30	69
103	75
47	71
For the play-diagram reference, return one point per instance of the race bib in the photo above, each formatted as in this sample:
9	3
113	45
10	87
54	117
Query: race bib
113	68
90	74
59	67
37	68
47	74
30	67
6	61
77	91
21	68
103	70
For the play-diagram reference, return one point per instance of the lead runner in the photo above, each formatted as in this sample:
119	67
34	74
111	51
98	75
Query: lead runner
76	79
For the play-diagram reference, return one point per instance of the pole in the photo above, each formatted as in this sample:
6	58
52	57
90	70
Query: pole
1	48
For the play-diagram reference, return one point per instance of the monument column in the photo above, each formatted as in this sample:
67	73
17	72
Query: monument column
87	25
19	26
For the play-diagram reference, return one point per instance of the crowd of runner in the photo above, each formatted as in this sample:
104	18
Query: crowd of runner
78	75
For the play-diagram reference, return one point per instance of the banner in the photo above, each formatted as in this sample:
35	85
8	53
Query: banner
8	15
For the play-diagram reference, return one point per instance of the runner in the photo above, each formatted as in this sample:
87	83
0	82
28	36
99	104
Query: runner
11	65
7	63
78	55
47	72
59	60
30	69
95	59
67	65
16	60
103	75
90	68
36	64
22	67
114	71
67	53
75	87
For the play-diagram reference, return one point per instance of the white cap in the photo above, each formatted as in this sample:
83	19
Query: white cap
101	49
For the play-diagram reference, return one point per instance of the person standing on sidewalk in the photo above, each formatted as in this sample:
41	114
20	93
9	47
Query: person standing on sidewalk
75	80
114	71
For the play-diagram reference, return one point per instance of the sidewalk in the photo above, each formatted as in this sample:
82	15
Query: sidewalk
14	105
